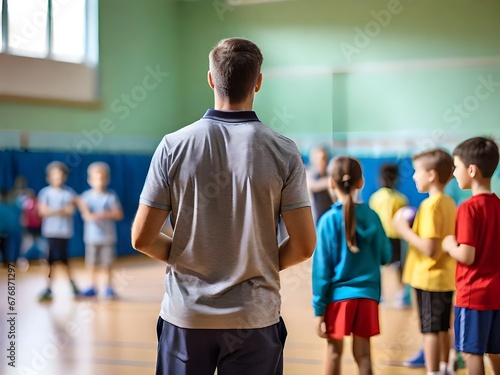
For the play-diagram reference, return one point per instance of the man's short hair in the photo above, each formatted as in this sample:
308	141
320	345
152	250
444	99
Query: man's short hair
235	66
480	151
438	160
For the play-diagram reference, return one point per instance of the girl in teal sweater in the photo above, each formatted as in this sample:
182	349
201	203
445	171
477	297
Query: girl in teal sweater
351	246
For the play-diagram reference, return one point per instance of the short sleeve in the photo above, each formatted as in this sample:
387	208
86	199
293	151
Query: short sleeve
430	221
71	192
156	190
295	193
114	201
401	201
42	197
85	196
464	229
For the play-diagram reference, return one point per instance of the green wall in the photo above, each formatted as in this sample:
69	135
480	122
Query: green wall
312	83
309	71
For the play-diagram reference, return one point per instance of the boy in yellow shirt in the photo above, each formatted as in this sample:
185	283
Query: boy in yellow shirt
386	201
428	269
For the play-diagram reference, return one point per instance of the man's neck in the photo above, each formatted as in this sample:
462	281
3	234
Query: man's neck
226	105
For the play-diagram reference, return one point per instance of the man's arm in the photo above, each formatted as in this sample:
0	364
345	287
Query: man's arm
462	253
146	233
301	240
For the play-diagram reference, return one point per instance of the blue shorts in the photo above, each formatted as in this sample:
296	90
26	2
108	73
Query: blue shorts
183	351
477	331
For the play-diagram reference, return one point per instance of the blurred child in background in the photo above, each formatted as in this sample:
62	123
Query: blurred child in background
100	209
386	201
317	182
56	208
32	229
5	215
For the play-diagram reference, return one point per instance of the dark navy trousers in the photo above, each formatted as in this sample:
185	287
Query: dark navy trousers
183	351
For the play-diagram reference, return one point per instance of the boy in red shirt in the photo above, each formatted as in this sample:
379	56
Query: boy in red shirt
477	250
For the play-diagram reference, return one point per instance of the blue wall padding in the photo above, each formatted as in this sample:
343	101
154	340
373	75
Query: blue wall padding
406	185
128	173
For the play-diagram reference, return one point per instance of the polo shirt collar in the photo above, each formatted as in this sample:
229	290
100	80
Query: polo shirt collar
231	116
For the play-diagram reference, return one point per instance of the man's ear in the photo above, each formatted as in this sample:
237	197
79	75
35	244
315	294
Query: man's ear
259	83
210	80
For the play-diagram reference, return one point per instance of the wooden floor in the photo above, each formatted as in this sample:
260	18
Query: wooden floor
101	337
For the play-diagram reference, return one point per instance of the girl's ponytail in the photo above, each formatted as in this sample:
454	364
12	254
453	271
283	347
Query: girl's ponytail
346	172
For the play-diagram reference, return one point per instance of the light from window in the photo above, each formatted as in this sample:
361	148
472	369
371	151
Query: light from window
1	26
28	27
68	30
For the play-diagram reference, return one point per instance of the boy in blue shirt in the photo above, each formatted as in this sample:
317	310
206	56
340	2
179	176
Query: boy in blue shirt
100	210
56	208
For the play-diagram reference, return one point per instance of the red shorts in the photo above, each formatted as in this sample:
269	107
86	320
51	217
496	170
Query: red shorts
357	316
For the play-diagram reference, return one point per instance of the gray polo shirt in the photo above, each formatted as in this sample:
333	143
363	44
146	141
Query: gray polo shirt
226	178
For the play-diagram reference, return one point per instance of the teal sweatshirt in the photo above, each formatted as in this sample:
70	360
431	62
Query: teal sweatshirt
337	273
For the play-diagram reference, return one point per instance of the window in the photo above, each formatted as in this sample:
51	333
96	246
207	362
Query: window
44	45
1	25
27	27
46	28
68	32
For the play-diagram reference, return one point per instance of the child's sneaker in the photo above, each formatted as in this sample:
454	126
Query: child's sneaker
90	292
76	291
418	360
23	264
459	362
46	296
110	293
401	300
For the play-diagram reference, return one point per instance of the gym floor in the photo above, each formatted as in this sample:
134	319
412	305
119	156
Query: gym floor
103	337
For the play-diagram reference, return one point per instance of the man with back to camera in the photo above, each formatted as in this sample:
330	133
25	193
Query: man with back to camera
226	179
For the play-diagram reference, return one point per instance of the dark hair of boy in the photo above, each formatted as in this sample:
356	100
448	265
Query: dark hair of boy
389	175
480	151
